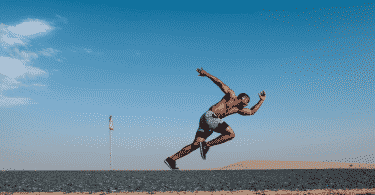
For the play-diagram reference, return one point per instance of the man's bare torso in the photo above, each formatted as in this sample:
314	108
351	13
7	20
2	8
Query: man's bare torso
226	106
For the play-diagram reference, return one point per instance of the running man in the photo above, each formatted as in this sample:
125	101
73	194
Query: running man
212	120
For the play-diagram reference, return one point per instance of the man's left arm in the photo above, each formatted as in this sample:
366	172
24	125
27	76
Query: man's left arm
254	109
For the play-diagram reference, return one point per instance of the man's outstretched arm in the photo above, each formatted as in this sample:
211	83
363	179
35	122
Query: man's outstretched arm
217	81
254	109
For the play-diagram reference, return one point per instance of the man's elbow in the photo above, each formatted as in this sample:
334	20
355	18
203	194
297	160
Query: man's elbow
252	112
226	89
247	112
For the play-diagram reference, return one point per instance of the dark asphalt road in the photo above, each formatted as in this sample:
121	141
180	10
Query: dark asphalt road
149	181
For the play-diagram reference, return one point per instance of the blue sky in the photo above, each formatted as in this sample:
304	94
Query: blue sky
66	66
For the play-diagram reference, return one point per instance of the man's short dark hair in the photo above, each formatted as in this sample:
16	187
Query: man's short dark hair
243	95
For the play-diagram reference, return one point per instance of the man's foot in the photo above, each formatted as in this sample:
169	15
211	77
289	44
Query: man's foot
204	149
171	163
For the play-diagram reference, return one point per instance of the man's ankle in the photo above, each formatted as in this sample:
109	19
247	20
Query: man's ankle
172	158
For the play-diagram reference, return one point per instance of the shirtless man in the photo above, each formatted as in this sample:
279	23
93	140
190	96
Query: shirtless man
212	120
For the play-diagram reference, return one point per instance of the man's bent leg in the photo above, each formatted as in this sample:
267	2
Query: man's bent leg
219	140
185	151
225	136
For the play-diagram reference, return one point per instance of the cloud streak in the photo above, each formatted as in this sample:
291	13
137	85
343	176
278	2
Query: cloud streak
18	34
48	52
7	101
15	68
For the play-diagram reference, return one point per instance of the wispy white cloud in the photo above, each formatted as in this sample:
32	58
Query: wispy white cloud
30	27
10	70
38	85
7	83
15	68
48	52
9	39
88	50
20	33
62	19
16	64
23	56
8	101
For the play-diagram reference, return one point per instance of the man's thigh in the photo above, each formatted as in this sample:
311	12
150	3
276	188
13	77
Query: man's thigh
203	133
204	130
224	129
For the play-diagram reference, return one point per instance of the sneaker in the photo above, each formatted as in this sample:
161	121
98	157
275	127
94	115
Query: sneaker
171	163
204	149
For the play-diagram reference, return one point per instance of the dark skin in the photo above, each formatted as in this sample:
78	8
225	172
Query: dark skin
229	104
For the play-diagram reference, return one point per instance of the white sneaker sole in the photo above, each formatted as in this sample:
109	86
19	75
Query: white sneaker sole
201	148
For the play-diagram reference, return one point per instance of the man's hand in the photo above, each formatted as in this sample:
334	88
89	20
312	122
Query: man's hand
202	72
262	95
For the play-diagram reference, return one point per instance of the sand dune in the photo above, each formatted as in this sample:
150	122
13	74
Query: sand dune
274	164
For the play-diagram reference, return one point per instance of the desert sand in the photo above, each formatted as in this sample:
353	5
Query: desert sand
274	164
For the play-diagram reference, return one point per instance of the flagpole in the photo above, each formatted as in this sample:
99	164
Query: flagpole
110	141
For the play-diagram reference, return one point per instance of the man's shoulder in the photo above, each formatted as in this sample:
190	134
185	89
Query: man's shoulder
230	95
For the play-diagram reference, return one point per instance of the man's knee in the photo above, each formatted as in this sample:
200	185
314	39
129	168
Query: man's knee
229	131
225	129
194	145
198	140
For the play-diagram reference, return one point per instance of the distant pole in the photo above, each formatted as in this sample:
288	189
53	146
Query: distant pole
110	141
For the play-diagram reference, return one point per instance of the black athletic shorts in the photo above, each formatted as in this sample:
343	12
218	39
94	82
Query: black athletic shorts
208	123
